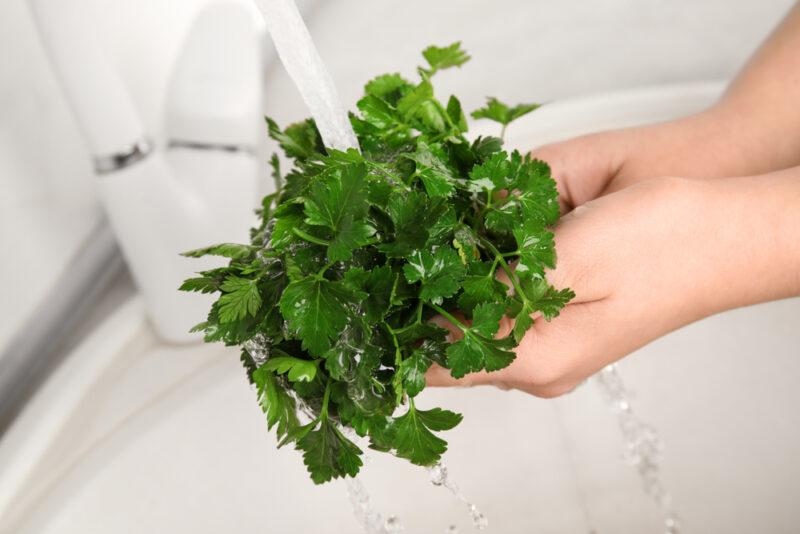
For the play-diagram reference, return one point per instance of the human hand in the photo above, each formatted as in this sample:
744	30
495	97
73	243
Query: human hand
646	255
648	259
718	142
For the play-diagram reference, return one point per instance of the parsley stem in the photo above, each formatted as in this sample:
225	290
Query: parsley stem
441	311
504	264
409	326
310	238
398	355
397	380
321	272
325	399
446	115
494	266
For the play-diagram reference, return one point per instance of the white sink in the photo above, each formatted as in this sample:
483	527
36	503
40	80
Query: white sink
132	436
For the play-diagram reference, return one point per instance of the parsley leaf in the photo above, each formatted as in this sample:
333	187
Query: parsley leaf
240	298
412	371
316	310
536	250
437	178
503	113
408	212
377	285
491	174
480	285
388	87
226	250
339	203
328	454
440	273
276	403
294	368
537	296
202	284
477	350
300	141
414	439
444	57
546	298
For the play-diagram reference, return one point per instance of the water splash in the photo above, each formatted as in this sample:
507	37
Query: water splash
393	525
643	447
304	64
439	476
371	520
365	512
258	348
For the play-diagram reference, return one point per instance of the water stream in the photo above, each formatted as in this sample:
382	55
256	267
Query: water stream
643	447
304	64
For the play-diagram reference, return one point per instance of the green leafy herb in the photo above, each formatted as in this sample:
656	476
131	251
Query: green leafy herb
413	437
357	251
503	113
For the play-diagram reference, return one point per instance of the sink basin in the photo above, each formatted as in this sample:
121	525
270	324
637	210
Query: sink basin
131	435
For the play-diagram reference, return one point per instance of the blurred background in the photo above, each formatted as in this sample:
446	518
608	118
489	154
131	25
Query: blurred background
112	419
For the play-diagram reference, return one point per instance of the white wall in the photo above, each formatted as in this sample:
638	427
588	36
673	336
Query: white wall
536	50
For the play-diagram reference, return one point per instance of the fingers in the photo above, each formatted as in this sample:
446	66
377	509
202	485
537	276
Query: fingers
553	357
438	376
582	167
580	267
582	249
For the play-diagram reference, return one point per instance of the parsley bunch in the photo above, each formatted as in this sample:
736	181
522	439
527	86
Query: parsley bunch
356	251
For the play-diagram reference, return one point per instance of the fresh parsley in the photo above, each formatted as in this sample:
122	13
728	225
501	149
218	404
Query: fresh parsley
357	251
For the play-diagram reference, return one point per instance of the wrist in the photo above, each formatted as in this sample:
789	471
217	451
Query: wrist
725	140
761	139
751	231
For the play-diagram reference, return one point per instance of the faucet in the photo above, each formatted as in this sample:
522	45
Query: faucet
198	188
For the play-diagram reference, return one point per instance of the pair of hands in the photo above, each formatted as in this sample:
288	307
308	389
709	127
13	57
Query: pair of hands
652	239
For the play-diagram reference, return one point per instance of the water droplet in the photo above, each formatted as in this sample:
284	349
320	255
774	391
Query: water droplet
672	525
438	474
393	525
479	520
258	347
452	529
642	445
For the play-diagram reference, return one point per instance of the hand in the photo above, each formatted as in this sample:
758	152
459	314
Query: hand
646	255
721	141
648	259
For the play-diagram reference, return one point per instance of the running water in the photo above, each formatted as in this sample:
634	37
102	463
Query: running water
441	477
305	66
642	445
